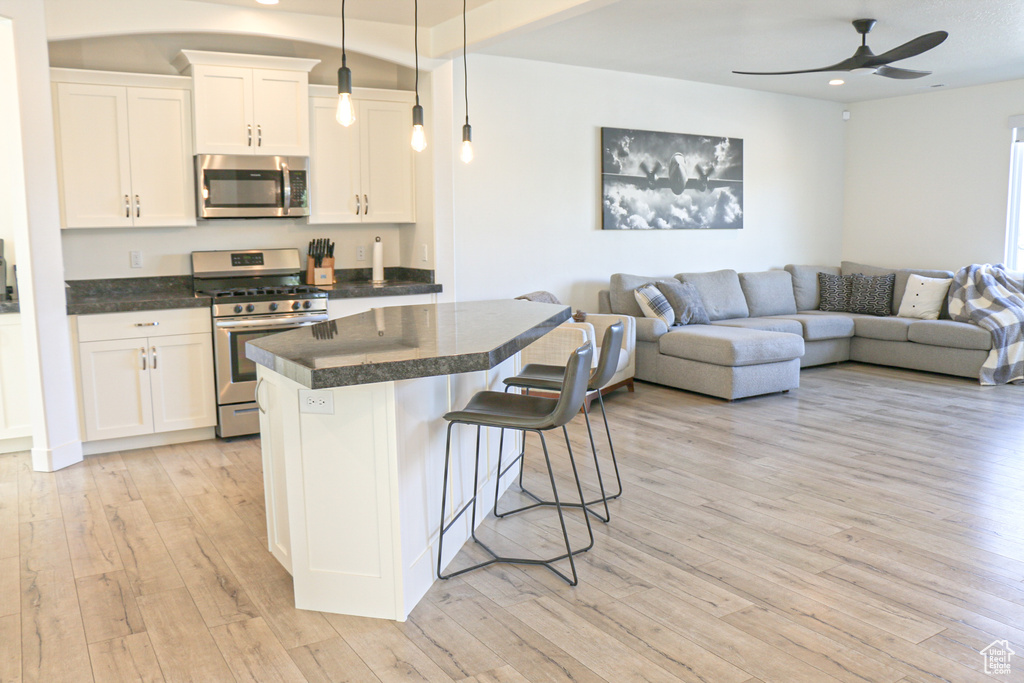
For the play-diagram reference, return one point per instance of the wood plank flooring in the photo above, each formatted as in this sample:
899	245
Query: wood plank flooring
867	527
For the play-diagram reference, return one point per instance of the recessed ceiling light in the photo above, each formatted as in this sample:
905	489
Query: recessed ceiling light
267	2
836	81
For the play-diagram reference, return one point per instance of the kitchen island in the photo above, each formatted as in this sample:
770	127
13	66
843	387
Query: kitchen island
353	441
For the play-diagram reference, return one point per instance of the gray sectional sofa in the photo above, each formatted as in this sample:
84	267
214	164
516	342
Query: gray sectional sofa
765	326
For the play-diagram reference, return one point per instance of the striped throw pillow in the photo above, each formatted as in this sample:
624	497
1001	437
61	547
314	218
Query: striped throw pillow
654	304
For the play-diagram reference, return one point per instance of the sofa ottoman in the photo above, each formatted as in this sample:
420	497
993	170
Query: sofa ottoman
729	362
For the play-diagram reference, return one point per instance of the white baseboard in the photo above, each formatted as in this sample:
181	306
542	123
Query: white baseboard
148	440
15	444
53	459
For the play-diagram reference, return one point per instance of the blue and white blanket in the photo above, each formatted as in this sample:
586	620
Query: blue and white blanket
993	298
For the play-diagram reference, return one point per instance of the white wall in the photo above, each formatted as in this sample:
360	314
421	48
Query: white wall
927	177
527	210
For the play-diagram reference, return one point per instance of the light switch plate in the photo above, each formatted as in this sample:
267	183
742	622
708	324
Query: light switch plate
360	253
136	258
319	402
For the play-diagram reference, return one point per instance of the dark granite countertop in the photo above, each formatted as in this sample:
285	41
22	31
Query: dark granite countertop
117	295
404	342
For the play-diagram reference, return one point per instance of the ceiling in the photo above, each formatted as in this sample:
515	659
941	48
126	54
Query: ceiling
432	12
704	40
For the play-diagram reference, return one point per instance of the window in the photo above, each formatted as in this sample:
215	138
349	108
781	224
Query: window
1014	232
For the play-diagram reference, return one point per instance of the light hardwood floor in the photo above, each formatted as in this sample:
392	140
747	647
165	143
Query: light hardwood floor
866	527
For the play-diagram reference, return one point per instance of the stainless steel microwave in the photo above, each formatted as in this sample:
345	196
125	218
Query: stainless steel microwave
245	186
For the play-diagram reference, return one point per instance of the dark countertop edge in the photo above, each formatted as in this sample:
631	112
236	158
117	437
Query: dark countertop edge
356	290
128	305
373	373
10	307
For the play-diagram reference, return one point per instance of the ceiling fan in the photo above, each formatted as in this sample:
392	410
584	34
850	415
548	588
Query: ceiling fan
866	60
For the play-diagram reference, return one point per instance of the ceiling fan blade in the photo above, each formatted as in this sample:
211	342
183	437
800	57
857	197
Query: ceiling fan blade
902	74
912	48
845	65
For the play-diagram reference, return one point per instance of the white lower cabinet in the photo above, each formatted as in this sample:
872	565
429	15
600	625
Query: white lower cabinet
145	384
15	422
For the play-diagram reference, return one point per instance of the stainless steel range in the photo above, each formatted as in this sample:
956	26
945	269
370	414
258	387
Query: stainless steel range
255	292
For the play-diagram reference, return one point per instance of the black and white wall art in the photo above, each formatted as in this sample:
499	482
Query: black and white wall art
665	181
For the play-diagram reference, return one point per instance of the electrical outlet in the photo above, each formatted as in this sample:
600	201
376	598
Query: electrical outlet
360	253
321	402
423	254
136	258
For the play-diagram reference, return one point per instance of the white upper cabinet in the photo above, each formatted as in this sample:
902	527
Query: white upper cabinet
124	155
249	104
364	173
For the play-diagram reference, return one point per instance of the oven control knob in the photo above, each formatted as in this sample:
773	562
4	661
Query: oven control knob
238	308
296	306
273	306
250	308
307	304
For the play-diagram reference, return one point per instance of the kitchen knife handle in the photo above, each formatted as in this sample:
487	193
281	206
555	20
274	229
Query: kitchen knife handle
138	207
359	205
366	205
153	349
248	132
127	207
142	352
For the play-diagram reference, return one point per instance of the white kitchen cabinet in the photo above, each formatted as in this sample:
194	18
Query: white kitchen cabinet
144	381
125	156
249	104
15	421
364	173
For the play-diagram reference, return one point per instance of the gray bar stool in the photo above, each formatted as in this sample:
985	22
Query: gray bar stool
549	378
526	414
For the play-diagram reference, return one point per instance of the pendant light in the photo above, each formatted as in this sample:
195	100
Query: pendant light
419	138
466	154
346	114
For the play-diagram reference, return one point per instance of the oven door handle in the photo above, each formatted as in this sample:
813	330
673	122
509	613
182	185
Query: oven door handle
266	325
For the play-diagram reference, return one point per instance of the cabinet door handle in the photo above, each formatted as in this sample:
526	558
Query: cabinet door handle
259	136
153	351
359	205
138	207
248	132
152	324
127	207
258	396
142	352
366	205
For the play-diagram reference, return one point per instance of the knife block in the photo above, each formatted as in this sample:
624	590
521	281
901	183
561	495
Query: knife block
322	276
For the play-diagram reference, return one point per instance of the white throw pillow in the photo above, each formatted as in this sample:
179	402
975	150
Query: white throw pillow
924	296
654	304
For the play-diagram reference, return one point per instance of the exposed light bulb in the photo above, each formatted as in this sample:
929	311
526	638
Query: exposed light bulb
836	81
466	154
419	138
346	115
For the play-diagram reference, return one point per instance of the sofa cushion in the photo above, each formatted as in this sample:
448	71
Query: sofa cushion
902	276
887	328
766	324
721	293
768	293
620	292
649	329
730	346
949	333
872	294
805	284
685	301
654	304
834	292
822	325
924	297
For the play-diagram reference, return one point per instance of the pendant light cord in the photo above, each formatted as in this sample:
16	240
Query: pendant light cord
465	65
343	32
416	44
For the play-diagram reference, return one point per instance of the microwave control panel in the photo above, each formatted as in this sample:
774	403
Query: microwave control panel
298	182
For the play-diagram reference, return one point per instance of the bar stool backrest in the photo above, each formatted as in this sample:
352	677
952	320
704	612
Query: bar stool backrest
574	385
608	362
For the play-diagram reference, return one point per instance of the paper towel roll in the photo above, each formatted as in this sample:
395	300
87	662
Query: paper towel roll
378	262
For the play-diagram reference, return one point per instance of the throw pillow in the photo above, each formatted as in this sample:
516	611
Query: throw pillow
685	301
834	291
654	304
923	297
872	294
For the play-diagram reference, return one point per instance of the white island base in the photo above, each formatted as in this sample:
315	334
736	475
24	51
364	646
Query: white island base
353	497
